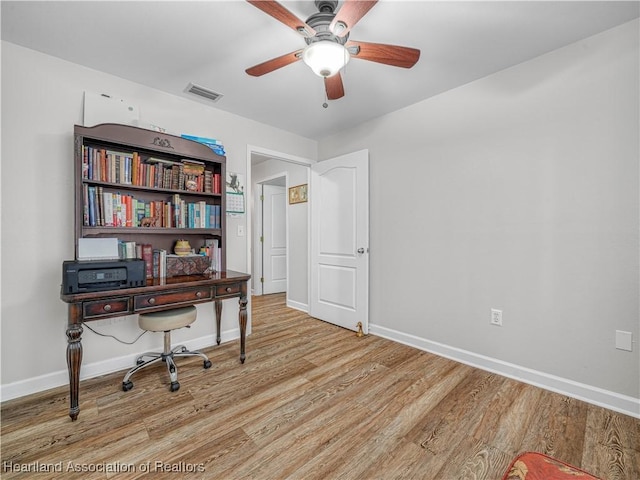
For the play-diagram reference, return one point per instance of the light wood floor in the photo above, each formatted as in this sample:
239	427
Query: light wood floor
312	401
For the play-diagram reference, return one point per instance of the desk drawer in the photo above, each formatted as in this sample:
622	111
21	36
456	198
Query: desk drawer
109	306
231	289
177	298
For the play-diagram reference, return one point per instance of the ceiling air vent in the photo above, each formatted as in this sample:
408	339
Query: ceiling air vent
203	92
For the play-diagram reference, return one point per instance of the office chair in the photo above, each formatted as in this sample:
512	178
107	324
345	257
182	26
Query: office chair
165	321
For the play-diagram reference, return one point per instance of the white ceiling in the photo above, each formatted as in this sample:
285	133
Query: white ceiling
167	45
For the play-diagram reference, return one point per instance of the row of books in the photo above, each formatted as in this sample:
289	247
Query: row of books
114	209
155	259
161	264
102	165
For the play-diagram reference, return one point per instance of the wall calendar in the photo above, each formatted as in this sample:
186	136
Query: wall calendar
235	193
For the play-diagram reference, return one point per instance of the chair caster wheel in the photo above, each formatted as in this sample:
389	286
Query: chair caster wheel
175	386
207	364
126	386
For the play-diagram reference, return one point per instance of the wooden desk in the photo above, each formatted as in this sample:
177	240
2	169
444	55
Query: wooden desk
159	295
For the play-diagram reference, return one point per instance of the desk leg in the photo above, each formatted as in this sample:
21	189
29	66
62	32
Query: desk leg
218	304
74	357
242	319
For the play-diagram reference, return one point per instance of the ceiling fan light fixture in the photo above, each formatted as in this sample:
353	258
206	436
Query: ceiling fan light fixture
325	58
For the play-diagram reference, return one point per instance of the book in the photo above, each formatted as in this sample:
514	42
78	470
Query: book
107	201
214	252
197	221
128	210
92	206
85	162
154	160
163	264
140	212
147	256
85	205
117	207
192	167
156	263
159	263
128	250
208	181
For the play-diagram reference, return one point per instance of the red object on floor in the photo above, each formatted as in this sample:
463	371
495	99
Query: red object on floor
537	466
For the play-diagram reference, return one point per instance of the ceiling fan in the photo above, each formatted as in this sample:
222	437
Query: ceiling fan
328	46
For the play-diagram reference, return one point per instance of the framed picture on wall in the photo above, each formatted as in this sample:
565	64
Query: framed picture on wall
298	194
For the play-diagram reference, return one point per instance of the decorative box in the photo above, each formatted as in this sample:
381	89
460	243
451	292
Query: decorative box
178	265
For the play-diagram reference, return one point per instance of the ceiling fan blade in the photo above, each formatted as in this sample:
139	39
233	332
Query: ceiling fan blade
274	64
334	87
283	15
405	57
349	14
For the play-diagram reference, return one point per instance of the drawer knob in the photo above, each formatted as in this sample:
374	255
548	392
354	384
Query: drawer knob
228	289
107	308
152	300
198	294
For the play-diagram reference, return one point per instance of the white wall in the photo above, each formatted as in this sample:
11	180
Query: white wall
519	191
523	194
42	98
298	229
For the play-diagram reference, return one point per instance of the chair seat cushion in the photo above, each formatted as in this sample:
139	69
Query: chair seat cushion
167	319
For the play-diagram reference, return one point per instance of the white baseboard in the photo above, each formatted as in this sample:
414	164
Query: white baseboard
95	369
298	306
594	395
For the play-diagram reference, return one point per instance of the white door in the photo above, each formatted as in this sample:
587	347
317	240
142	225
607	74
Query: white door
339	201
274	239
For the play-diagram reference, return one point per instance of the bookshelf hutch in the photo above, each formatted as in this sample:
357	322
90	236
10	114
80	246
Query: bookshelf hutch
158	201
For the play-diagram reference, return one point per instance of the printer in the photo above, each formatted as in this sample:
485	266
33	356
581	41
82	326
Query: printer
81	276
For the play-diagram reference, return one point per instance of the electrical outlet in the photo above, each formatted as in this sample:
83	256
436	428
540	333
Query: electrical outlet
496	317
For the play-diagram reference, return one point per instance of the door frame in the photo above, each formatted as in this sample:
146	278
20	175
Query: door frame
257	151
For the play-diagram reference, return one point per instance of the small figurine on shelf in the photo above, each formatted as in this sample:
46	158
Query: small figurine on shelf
182	248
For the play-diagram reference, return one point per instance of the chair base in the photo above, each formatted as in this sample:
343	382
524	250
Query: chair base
167	357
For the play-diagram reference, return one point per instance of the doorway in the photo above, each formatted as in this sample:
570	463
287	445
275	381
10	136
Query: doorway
275	169
264	166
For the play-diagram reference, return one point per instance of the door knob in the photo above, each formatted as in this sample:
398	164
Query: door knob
361	250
